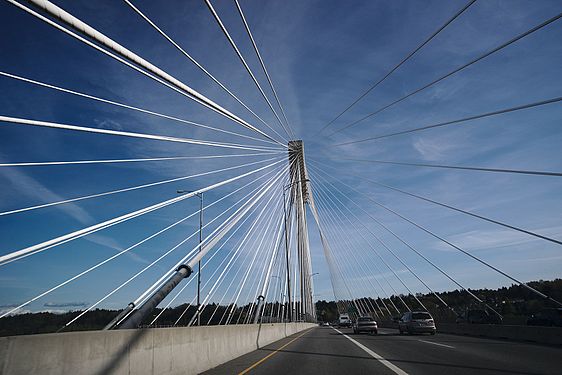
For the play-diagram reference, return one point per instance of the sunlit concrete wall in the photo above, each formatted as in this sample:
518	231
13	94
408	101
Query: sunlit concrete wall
144	351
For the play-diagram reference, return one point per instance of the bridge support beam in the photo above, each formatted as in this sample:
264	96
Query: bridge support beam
137	317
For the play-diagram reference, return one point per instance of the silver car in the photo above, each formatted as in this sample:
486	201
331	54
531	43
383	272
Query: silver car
365	324
417	322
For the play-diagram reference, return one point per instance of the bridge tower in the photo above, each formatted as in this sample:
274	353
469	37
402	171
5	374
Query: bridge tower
299	187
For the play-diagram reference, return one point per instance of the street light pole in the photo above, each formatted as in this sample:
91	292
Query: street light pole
200	195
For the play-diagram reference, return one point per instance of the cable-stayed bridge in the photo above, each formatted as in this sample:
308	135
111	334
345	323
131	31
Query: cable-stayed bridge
221	257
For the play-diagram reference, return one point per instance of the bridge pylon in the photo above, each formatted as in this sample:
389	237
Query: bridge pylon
299	186
301	268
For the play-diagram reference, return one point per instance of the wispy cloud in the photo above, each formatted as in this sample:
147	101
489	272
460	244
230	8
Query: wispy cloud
493	239
433	148
35	191
108	124
66	304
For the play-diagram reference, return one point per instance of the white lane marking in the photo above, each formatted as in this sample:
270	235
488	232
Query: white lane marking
436	343
395	369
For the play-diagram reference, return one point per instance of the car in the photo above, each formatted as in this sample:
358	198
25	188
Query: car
477	316
344	321
365	324
325	324
546	317
416	322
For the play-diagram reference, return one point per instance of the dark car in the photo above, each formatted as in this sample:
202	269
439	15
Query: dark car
546	317
365	324
417	322
476	316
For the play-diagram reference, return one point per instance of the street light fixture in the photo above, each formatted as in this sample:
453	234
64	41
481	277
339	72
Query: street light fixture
200	196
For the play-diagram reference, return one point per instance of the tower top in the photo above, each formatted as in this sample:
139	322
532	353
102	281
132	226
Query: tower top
297	164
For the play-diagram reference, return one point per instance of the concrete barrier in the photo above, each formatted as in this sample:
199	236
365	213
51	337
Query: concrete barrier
540	335
185	350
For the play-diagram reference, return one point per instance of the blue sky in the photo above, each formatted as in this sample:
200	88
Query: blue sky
321	55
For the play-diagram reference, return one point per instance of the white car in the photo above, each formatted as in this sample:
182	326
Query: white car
344	321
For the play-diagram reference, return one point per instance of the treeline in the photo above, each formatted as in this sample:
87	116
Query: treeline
47	322
515	303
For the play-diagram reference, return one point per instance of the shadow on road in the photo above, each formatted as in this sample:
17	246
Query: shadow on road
450	366
452	340
445	339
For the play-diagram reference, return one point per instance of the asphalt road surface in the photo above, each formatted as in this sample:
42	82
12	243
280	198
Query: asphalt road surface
325	350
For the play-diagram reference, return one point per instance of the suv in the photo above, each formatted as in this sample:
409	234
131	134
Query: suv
365	324
416	322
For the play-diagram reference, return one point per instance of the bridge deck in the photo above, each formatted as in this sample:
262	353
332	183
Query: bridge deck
323	350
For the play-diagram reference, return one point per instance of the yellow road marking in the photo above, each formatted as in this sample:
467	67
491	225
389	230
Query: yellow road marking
272	353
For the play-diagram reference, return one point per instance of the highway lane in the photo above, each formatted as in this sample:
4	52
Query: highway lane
318	351
324	350
451	354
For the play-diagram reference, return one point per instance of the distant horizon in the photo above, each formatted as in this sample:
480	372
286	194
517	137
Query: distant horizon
427	295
